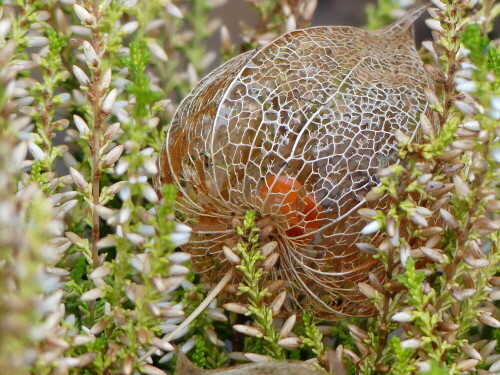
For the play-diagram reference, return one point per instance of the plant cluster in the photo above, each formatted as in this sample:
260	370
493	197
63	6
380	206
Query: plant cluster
90	266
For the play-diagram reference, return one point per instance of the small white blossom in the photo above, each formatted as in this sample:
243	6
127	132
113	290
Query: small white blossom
371	228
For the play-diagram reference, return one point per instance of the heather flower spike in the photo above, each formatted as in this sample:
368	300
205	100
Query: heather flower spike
301	147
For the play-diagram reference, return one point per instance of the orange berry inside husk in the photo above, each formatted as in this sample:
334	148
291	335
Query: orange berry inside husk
303	214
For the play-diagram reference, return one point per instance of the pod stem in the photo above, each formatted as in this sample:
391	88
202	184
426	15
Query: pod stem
209	298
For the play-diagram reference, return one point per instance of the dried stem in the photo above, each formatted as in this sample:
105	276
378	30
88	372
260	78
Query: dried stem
386	310
455	14
96	138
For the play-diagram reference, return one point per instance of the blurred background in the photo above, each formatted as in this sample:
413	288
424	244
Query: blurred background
328	12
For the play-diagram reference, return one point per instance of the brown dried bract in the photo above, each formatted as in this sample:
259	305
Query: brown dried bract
297	131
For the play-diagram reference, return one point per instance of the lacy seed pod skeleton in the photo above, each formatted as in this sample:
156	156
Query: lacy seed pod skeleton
296	131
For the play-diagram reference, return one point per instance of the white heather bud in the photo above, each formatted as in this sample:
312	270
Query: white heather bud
150	194
423	366
489	320
68	206
371	228
270	261
106	242
192	75
495	154
136	239
83	15
152	370
494	113
288	326
411	343
111	131
188	345
178	269
461	186
80	340
495	103
157	51
124	214
403	316
108	103
78	179
37	41
290	343
471	352
111	157
426	125
467	364
404	254
419	220
81	31
121	167
367	290
36	151
278	303
179	239
476	263
179	257
434	25
105	80
472	125
150	167
439	4
231	256
100	272
130	27
495	367
90	54
4	28
173	10
80	75
162	344
247	330
449	219
366	247
290	24
466	108
91	295
237	308
431	96
81	125
268	248
225	39
465	86
182	228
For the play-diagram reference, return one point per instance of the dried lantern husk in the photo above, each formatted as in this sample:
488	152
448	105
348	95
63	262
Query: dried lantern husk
296	131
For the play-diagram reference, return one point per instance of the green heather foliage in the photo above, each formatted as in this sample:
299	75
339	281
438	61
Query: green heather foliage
91	267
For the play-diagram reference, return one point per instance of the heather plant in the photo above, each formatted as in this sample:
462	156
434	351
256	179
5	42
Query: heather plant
96	253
